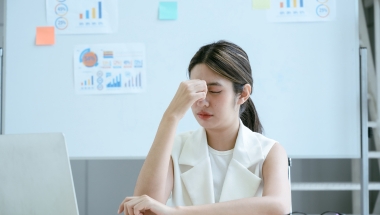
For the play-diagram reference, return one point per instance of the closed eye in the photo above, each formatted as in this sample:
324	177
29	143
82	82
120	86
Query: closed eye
215	91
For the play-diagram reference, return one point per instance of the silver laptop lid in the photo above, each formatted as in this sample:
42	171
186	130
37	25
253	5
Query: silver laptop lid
35	175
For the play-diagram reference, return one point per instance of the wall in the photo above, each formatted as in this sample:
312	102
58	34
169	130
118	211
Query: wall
101	185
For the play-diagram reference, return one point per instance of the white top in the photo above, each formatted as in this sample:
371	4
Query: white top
219	161
193	172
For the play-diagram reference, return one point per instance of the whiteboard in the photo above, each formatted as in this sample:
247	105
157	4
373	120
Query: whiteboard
306	77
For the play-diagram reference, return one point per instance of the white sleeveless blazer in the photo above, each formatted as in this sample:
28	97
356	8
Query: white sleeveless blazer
193	182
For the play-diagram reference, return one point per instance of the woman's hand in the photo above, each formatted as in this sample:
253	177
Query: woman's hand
137	205
187	94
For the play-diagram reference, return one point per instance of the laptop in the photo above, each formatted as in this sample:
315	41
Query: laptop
35	175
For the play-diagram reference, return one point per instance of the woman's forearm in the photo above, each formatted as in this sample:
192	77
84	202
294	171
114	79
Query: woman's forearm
156	176
247	206
154	172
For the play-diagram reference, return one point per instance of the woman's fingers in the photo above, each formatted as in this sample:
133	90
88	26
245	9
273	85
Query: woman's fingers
197	89
130	205
127	199
199	85
121	207
187	94
199	96
138	205
148	203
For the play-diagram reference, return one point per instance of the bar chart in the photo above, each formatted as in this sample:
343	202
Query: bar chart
291	8
92	13
115	83
302	11
88	83
133	81
291	4
83	16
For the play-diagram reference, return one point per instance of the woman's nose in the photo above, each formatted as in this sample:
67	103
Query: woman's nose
203	102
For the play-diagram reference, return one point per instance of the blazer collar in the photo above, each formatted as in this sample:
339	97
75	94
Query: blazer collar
198	179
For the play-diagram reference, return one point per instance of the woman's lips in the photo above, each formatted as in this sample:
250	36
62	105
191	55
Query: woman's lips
204	115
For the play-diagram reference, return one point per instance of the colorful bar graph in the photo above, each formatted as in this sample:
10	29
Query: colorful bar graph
116	82
296	3
88	82
100	9
93	13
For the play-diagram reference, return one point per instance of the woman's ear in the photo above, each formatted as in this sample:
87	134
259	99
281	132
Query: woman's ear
244	95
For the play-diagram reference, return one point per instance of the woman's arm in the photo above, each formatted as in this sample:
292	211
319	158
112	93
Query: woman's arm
156	175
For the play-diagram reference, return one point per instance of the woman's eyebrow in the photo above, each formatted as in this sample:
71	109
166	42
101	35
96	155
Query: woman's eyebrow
214	84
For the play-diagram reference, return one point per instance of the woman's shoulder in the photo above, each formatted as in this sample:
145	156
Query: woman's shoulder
258	136
265	142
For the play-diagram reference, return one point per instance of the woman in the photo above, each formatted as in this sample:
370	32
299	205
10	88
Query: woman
225	167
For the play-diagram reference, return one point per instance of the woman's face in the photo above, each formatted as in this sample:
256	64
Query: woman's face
220	108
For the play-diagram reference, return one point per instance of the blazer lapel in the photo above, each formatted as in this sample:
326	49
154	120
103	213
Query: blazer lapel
240	182
198	179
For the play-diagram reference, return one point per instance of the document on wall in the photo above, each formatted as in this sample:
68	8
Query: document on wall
109	68
301	11
82	16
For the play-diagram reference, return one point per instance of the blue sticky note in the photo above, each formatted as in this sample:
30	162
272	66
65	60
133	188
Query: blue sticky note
168	11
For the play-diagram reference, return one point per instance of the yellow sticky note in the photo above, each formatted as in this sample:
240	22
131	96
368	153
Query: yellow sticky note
261	4
45	36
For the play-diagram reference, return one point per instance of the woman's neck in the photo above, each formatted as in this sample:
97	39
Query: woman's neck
223	139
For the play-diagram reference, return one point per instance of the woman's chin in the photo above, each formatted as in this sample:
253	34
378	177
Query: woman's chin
206	123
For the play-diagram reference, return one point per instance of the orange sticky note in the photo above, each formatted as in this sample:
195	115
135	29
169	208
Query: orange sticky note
45	36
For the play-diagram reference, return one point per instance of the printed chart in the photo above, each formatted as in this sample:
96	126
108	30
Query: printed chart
82	16
109	68
301	10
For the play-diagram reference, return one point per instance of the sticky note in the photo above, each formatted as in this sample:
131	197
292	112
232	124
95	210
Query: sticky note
45	36
261	4
168	11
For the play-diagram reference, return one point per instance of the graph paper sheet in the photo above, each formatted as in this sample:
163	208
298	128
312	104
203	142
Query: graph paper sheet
109	68
82	16
301	11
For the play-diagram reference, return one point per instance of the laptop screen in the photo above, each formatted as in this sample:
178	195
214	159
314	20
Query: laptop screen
35	176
